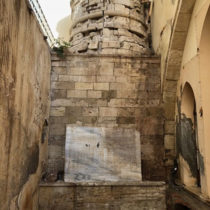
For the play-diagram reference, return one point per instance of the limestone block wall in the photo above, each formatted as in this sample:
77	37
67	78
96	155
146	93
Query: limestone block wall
79	197
24	105
110	92
108	27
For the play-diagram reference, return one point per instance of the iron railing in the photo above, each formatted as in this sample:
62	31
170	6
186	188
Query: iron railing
42	21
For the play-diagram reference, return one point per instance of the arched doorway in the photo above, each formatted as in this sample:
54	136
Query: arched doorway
187	142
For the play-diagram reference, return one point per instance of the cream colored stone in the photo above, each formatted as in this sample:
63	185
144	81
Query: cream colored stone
170	127
121	79
62	85
169	142
76	94
105	78
120	86
93	45
69	102
83	86
78	48
107	32
59	70
94	94
111	44
90	111
127	94
54	77
77	78
109	51
108	112
117	103
57	111
106	68
82	71
101	86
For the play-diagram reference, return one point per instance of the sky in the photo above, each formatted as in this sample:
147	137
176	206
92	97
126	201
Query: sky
54	11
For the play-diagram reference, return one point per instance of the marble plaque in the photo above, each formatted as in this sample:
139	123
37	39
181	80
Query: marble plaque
98	154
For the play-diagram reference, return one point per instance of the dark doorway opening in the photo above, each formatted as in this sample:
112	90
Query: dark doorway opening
181	207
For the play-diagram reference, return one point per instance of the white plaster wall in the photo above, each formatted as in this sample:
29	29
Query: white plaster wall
162	22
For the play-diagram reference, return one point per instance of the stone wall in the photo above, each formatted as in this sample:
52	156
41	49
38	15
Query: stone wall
146	196
24	105
111	92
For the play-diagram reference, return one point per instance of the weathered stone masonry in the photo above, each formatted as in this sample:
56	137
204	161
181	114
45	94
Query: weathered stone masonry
108	27
111	92
110	84
109	197
107	78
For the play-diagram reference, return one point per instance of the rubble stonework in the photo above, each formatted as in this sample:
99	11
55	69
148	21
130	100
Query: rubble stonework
108	27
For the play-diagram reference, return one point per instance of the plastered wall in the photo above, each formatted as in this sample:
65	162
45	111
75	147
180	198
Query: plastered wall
162	21
180	34
24	104
195	71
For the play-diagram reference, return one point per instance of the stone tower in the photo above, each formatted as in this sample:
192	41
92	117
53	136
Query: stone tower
108	27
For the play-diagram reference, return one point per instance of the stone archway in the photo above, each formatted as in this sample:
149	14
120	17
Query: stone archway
172	73
180	40
175	53
193	68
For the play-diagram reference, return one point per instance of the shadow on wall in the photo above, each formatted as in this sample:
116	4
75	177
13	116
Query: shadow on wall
187	147
63	28
181	207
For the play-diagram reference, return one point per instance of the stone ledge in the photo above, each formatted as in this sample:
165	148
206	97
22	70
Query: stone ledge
87	197
189	196
142	56
96	184
196	192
